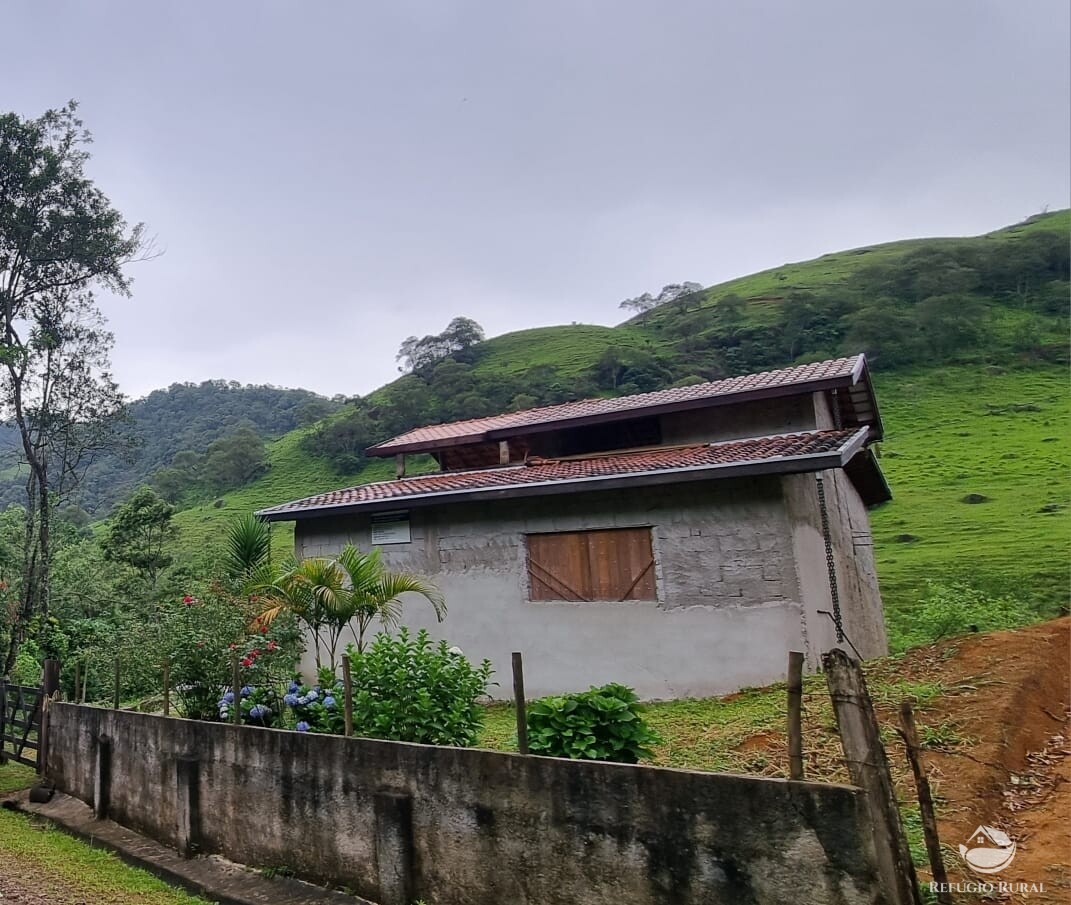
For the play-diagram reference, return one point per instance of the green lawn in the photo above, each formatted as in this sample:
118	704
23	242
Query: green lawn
62	868
745	732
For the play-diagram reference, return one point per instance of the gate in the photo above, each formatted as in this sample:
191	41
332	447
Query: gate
20	722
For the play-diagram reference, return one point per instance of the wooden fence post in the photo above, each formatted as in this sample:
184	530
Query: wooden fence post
236	688
926	808
50	683
518	697
795	714
347	696
3	719
167	687
116	697
868	767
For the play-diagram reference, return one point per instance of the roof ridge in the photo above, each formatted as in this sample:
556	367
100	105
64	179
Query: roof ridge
474	429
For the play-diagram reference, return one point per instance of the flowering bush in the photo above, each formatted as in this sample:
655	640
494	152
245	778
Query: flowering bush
200	633
256	705
410	690
318	708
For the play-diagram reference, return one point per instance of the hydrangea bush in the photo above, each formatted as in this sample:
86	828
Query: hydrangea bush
317	708
405	688
408	689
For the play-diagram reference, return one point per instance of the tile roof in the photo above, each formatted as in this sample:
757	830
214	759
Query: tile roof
474	430
779	453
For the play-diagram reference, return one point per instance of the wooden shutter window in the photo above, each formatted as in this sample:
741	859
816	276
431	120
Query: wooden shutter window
607	564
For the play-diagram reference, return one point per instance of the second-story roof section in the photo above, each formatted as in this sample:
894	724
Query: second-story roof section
857	406
807	451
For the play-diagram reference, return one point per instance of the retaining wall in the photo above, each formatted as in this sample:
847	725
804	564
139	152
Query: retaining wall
398	822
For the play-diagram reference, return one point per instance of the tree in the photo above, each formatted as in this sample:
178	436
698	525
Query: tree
248	548
460	334
234	460
139	534
642	304
60	238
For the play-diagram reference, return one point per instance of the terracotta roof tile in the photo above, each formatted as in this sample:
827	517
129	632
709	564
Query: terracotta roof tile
476	429
549	471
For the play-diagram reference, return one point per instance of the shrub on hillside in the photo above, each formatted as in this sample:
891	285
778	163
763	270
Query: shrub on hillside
599	724
957	608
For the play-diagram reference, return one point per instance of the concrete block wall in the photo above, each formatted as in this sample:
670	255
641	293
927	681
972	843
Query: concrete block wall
398	822
729	603
853	551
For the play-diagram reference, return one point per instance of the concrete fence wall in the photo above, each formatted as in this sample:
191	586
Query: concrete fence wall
398	822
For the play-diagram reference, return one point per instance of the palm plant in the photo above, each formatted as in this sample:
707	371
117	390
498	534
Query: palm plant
375	591
248	546
328	596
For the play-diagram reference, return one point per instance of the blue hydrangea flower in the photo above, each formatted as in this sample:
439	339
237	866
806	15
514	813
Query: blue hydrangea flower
312	695
302	726
290	700
228	698
303	700
259	711
247	691
294	688
329	701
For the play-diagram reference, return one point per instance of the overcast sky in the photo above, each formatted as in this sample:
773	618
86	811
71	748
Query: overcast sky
326	178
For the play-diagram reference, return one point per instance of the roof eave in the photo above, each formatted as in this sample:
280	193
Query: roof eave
877	428
783	465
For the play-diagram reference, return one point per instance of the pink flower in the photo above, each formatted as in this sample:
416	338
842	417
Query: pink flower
247	662
188	600
272	645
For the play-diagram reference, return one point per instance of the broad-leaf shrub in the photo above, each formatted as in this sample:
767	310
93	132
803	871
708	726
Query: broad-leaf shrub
957	608
408	689
599	724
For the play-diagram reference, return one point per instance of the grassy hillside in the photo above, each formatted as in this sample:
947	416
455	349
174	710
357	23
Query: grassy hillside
958	434
835	269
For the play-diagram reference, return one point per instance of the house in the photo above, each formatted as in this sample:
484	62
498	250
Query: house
680	541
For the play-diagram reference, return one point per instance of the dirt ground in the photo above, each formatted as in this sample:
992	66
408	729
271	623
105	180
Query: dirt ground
1008	698
18	887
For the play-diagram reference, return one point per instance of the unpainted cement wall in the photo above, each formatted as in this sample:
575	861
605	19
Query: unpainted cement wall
729	607
853	553
398	822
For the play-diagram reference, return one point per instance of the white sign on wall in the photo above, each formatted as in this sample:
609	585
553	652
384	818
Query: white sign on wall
391	527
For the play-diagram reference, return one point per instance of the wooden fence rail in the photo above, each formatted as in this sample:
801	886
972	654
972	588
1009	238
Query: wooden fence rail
20	722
